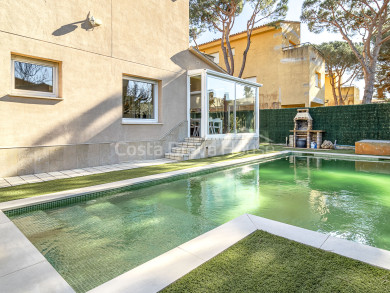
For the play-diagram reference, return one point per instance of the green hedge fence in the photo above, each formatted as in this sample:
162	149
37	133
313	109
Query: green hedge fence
346	124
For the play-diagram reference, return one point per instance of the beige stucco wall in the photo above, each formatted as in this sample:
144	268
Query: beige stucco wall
286	75
140	38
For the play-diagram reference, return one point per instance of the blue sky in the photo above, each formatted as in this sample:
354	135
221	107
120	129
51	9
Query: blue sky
294	13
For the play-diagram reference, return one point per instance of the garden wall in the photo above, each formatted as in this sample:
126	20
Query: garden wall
346	124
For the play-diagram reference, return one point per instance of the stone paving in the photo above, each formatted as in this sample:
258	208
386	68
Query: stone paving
41	177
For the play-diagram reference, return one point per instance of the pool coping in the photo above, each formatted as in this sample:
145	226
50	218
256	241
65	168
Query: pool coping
165	269
31	266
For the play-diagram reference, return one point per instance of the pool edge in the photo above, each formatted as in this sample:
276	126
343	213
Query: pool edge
165	269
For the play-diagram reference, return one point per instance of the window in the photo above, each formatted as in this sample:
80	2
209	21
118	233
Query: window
139	100
215	56
231	106
220	96
245	108
317	79
34	78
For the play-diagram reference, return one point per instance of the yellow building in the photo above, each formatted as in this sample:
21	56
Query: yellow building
351	94
292	74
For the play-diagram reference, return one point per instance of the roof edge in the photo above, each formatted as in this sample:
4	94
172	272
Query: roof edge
204	58
269	24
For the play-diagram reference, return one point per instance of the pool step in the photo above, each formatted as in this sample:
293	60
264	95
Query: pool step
194	139
189	144
177	156
179	150
188	149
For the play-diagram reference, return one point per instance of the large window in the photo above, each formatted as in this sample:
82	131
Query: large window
34	78
139	100
245	108
231	106
220	96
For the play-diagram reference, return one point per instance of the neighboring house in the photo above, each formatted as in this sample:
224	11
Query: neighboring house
77	93
350	94
292	74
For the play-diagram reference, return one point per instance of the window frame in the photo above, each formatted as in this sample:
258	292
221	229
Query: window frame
35	94
155	102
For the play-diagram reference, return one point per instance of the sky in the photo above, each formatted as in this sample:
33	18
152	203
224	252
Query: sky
294	13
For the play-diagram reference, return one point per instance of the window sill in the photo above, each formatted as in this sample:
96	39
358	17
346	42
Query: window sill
126	122
32	96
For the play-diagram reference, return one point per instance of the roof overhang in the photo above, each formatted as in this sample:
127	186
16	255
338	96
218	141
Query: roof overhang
206	60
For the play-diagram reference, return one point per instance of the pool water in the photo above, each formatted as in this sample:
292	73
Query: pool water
92	242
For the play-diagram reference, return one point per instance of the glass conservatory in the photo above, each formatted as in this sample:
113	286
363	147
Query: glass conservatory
221	105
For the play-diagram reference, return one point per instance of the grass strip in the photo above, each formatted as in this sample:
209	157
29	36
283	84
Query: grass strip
263	262
40	188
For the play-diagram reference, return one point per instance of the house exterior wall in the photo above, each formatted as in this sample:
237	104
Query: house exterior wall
286	74
146	39
352	93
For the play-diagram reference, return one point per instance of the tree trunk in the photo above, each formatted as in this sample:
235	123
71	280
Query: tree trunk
369	80
244	55
332	83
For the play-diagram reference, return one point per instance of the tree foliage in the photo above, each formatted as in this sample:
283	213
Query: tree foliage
220	15
367	19
340	61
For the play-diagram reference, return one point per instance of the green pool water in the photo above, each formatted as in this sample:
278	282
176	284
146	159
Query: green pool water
92	242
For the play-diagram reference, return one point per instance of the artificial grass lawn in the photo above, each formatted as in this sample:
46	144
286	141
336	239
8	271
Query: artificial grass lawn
263	262
35	189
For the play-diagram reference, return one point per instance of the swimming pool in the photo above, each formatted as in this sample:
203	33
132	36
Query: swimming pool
91	242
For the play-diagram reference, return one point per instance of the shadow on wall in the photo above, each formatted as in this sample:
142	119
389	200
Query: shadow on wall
86	139
68	28
186	60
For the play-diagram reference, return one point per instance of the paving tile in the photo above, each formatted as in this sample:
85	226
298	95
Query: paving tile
78	170
16	251
41	277
95	171
4	183
297	234
70	173
16	180
57	173
3	218
31	178
45	176
153	275
368	254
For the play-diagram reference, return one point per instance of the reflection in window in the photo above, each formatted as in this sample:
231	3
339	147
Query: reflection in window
232	107
33	77
220	95
138	99
195	105
245	109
